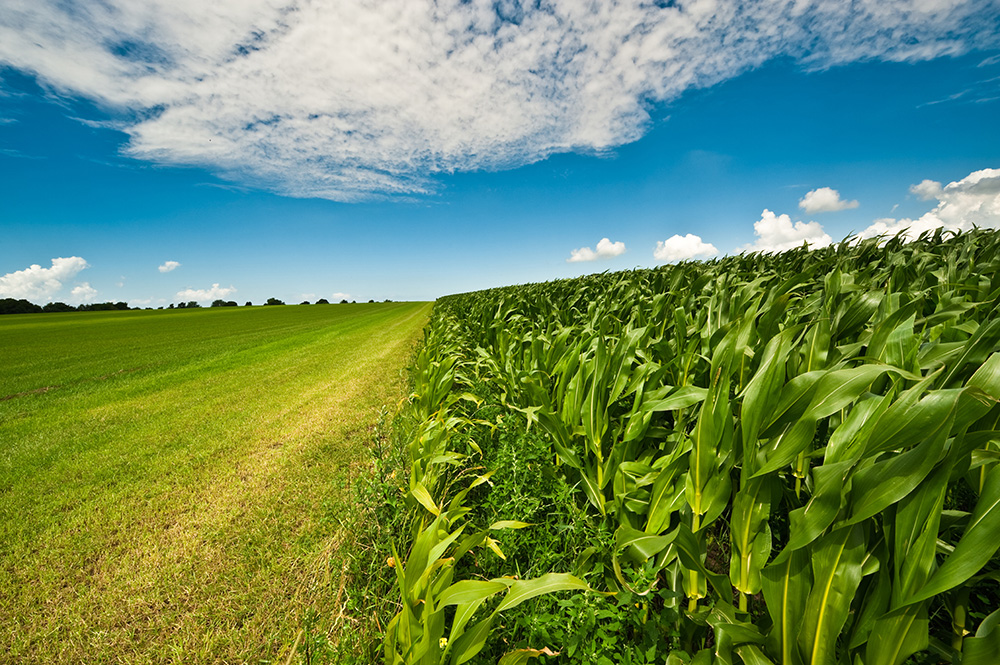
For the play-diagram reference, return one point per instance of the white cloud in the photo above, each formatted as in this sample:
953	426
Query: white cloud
605	250
349	100
84	292
201	295
168	266
776	233
682	248
825	199
927	190
38	283
972	201
340	296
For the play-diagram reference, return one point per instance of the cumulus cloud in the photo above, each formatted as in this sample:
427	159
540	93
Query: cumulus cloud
682	248
605	250
38	283
777	233
972	201
349	100
927	190
341	296
83	293
200	295
168	266
825	199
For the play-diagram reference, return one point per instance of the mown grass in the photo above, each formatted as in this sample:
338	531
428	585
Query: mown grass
173	484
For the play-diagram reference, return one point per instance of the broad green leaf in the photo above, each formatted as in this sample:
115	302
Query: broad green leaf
786	447
424	497
840	388
523	590
808	523
836	565
468	591
786	585
978	544
877	487
897	635
521	656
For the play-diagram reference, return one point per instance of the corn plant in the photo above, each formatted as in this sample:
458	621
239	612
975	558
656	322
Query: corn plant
804	445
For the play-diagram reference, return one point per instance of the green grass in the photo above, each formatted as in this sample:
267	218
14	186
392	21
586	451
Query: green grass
172	483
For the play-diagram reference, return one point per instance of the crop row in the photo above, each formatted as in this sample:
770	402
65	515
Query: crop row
792	458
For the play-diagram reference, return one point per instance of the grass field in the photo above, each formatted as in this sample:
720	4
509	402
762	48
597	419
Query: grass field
172	482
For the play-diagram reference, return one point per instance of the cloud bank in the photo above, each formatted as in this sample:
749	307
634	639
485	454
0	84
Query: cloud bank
200	295
825	199
605	250
777	233
682	248
349	101
83	293
36	283
972	201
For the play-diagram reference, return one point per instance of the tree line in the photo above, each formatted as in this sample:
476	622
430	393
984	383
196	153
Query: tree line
22	306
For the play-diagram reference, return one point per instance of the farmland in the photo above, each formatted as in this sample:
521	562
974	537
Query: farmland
789	458
172	483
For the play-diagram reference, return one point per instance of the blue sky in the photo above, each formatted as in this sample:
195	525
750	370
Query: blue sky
407	154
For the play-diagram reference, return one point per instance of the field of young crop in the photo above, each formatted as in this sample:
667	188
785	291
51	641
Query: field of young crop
173	483
785	458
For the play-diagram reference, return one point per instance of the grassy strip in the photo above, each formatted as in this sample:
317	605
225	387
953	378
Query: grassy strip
175	492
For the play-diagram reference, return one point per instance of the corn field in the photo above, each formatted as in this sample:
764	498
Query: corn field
793	457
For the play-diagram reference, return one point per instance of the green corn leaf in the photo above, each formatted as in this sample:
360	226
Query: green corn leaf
875	603
877	487
762	392
840	388
509	524
897	635
981	345
642	545
978	544
679	398
521	656
808	523
472	641
786	447
917	524
836	565
793	401
786	584
749	535
469	591
522	590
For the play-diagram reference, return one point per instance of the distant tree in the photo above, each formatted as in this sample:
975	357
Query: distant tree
344	301
58	307
192	304
354	302
305	302
249	304
273	301
20	306
181	305
121	305
231	303
371	301
386	300
218	303
171	306
322	301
